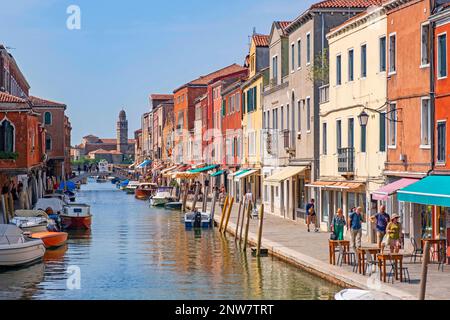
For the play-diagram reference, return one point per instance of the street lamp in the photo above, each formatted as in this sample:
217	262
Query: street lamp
363	118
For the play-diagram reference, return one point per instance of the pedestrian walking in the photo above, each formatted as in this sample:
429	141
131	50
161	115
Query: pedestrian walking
393	232
381	219
222	197
338	224
311	215
79	170
355	220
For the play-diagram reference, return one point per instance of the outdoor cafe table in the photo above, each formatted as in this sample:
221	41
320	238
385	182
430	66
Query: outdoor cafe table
361	251
332	244
397	258
440	243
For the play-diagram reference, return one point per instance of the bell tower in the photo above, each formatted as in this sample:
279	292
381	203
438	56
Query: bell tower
122	132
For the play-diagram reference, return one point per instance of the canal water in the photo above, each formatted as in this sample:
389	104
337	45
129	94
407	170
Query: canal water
137	252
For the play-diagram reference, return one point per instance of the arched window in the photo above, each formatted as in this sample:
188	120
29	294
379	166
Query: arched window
48	143
48	118
7	136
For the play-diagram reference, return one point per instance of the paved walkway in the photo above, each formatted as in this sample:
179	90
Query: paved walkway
290	241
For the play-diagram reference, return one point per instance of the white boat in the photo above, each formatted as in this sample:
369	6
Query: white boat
356	294
63	197
16	249
56	204
197	220
162	196
31	220
132	186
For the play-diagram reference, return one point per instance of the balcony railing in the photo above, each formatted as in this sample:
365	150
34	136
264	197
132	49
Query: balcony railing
324	93
346	160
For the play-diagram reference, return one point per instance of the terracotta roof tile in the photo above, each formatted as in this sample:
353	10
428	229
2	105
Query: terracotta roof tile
9	98
114	141
284	24
261	40
157	96
39	102
347	4
204	80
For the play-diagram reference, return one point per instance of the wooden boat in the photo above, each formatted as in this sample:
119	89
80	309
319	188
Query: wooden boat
31	220
163	195
131	187
51	239
174	205
145	190
76	216
197	220
16	249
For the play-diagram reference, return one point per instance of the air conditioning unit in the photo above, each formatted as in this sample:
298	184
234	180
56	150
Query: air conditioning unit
403	157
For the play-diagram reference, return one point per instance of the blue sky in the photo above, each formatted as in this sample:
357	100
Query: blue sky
126	50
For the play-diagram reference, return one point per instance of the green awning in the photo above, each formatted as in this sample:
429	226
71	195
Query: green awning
432	190
218	173
241	172
204	169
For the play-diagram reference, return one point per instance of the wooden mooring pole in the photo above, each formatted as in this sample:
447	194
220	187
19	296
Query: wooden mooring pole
238	219
213	207
230	207
249	212
186	190
197	191
261	219
225	206
244	210
423	279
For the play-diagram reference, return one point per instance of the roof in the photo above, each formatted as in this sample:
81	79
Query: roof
9	98
158	96
346	4
261	40
39	102
102	151
114	141
284	24
204	80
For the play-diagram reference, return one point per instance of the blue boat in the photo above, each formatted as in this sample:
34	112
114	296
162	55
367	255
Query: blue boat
197	220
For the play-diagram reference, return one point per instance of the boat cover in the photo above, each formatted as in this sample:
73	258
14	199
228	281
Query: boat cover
31	213
10	234
54	203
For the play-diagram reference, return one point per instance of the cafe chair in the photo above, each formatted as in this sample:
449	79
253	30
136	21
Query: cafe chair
443	259
404	271
417	252
370	264
350	256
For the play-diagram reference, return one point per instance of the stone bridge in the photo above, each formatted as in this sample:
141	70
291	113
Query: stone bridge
84	175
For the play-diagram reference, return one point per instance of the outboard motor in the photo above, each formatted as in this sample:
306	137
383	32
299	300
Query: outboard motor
197	220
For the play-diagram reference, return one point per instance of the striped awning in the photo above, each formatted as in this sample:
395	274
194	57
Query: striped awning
245	174
340	185
218	173
284	174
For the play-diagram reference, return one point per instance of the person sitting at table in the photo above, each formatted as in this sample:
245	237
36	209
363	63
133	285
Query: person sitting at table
337	227
393	232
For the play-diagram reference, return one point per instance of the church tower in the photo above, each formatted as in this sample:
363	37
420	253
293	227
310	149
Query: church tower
122	132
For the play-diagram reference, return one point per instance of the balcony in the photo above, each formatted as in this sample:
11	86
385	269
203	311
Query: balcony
346	161
324	94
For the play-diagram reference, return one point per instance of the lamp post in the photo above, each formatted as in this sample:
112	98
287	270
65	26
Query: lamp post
363	118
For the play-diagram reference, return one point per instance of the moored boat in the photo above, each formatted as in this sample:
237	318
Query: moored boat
76	216
145	190
51	239
31	220
16	249
131	187
357	294
162	196
196	219
174	205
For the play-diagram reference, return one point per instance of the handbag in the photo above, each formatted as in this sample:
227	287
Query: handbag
333	236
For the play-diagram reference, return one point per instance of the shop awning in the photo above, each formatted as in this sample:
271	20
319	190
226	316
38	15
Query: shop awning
144	164
234	174
432	190
167	170
204	169
384	192
218	173
249	172
340	185
186	175
284	174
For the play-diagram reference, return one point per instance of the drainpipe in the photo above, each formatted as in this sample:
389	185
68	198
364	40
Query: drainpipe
432	90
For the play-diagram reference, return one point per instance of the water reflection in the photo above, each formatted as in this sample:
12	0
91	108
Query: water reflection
137	252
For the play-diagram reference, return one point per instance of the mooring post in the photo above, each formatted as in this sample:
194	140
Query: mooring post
186	190
249	211
225	206
205	198
213	207
244	210
423	279
230	207
261	218
197	191
5	215
238	219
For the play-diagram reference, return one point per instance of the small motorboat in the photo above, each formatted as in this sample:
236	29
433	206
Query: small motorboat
76	216
131	187
197	219
356	294
174	205
63	197
115	180
54	203
51	239
101	179
123	184
163	195
145	190
31	220
16	249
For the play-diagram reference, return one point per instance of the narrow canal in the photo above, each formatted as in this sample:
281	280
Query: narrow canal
137	252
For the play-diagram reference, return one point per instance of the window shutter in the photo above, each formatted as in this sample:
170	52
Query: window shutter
382	132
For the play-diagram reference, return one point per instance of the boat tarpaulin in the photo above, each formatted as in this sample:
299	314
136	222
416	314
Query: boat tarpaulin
284	174
69	185
204	169
144	164
384	192
432	190
218	173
